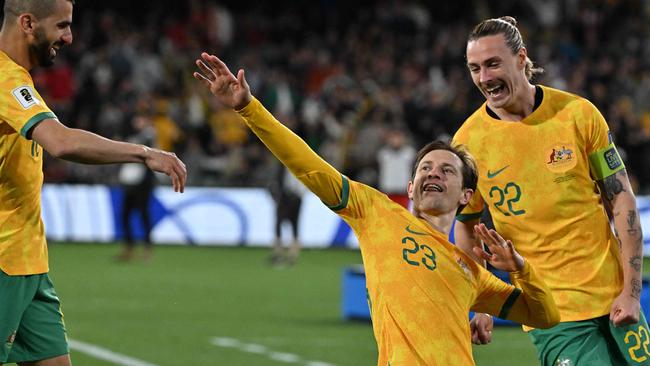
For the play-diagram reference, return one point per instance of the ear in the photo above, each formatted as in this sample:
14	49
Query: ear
522	56
409	190
466	196
27	23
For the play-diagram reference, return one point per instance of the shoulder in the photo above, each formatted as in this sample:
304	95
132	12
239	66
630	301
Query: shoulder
472	122
562	99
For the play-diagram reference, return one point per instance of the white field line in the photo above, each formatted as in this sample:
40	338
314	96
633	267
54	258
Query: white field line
105	354
263	350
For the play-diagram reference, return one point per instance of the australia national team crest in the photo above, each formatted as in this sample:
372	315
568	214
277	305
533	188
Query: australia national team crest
560	157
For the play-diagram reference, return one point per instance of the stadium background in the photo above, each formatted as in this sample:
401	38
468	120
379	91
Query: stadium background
342	74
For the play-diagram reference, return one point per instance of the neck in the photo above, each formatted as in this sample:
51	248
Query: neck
522	106
439	222
15	47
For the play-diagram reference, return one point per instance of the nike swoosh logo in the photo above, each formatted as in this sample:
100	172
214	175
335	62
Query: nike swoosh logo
408	228
494	174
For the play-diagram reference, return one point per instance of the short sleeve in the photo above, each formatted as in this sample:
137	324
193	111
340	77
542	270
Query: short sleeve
20	104
604	159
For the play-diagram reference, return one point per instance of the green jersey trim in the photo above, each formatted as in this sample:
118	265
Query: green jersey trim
605	162
345	195
510	301
469	217
34	120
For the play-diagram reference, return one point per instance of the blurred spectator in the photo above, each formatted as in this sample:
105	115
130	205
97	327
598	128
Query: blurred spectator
395	160
343	82
137	185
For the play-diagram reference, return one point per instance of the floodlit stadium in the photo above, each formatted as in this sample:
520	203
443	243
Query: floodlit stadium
365	84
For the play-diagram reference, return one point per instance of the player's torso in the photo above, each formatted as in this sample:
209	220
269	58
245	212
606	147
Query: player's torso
419	287
22	239
535	178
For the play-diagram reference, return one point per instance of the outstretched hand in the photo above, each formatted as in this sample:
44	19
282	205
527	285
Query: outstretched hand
229	90
504	256
167	162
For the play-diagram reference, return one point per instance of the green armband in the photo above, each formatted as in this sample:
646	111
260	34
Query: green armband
605	162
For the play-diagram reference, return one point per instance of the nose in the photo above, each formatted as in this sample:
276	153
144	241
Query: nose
67	37
485	75
435	173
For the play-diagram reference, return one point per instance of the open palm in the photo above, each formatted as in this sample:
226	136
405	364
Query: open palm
502	254
231	91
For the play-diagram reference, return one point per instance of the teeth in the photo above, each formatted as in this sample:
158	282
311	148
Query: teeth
493	89
432	187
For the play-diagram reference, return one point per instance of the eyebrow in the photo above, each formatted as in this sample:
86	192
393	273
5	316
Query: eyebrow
444	165
489	60
64	23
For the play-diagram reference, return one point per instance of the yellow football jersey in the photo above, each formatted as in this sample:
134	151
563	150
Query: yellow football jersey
23	249
420	286
537	177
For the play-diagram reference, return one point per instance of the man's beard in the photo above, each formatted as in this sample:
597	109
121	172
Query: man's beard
41	49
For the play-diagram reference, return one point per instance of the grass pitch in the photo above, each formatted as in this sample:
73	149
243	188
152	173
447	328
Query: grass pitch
224	306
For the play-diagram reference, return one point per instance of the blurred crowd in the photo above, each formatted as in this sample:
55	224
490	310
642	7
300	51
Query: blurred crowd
353	78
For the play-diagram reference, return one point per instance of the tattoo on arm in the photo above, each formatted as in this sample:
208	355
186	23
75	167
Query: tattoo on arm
635	262
613	186
636	289
631	223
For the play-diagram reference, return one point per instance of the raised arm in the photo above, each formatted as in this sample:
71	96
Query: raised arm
617	195
314	172
531	303
86	147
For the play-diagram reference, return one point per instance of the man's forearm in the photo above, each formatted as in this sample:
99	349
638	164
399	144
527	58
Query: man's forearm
89	148
630	236
617	194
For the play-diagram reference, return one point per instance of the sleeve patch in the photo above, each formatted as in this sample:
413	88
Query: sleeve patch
612	158
25	96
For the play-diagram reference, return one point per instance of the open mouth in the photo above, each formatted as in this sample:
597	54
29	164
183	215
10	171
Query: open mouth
432	187
495	90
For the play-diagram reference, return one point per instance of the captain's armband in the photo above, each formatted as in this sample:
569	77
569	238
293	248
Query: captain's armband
605	162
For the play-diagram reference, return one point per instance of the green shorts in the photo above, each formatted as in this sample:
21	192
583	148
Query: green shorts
593	342
31	321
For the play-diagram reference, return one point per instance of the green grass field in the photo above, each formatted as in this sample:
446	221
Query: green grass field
222	306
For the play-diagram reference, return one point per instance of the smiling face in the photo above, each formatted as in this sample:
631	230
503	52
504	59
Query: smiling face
437	186
50	34
496	71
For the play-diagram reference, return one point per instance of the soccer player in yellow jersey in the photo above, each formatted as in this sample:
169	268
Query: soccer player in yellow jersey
420	286
31	322
541	154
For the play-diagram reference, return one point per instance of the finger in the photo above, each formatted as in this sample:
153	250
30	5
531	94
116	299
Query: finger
485	235
482	254
182	176
175	180
202	79
209	72
496	237
219	66
479	230
241	79
484	335
475	339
